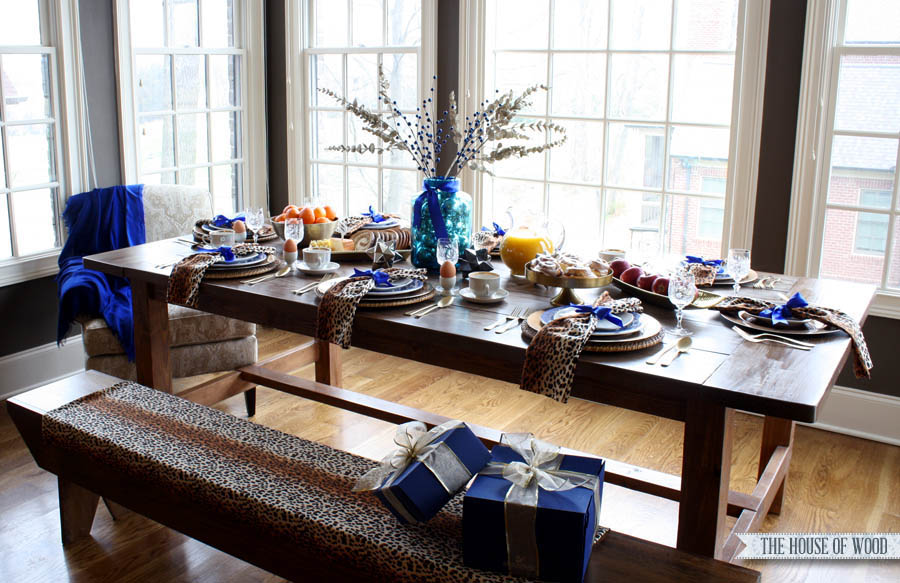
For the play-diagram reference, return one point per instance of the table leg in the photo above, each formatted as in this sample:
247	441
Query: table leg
151	337
706	468
328	364
776	431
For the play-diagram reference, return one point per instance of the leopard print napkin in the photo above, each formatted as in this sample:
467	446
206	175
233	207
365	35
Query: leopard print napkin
184	281
862	361
337	309
349	225
553	352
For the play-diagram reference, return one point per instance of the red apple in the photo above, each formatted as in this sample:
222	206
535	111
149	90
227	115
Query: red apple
619	266
661	286
646	281
631	275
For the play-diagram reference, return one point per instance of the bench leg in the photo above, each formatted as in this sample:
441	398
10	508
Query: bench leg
328	364
776	432
117	511
250	401
77	507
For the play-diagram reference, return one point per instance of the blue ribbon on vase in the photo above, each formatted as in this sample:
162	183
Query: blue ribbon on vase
430	195
381	278
599	312
225	222
376	217
497	229
709	262
780	314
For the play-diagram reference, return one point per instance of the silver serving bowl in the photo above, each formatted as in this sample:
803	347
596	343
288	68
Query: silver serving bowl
311	232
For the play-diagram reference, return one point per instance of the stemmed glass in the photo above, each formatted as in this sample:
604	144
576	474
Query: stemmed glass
447	250
738	266
293	229
682	290
255	221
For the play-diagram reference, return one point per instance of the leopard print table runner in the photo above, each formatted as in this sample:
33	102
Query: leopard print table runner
551	356
337	309
184	281
862	361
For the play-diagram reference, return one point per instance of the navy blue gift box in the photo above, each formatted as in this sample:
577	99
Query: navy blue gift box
419	491
564	522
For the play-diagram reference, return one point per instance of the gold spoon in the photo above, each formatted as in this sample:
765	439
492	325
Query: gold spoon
683	345
280	273
445	301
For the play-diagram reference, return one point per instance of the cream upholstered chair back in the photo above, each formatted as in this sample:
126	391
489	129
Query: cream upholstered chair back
170	210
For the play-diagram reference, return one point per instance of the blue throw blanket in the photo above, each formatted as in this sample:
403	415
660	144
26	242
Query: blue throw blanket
101	220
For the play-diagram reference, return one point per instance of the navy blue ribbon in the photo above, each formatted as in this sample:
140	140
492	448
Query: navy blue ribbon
599	312
225	222
376	218
497	229
780	314
430	194
225	252
710	262
381	278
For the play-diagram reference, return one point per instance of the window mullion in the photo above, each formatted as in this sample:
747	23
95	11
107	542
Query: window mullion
175	154
892	222
14	248
345	63
545	203
667	136
208	115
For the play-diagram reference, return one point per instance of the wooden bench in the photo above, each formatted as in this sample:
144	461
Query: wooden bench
289	518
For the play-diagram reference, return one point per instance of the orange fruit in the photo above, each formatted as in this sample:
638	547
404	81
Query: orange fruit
308	215
319	212
323	220
287	209
293	213
280	218
329	212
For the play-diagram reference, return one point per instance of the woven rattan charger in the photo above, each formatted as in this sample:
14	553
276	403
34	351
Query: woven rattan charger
650	336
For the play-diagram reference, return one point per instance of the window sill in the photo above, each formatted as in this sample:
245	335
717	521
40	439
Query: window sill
16	271
886	305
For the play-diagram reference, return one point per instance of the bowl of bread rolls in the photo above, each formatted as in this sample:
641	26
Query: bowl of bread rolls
568	272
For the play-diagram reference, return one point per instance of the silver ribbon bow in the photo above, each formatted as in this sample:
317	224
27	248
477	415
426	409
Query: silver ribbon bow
539	471
417	444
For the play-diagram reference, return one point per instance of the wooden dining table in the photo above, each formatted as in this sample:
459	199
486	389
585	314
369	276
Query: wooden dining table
721	373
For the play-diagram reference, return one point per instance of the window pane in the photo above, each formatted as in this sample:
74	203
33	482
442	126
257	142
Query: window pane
635	156
5	233
853	246
859	165
632	222
2	169
157	143
26	86
696	154
331	23
218	23
147	23
399	188
32	159
190	81
579	209
362	79
638	86
516	71
327	73
226	128
400	158
163	178
872	21
702	88
21	22
580	24
514	167
520	24
579	84
356	135
198	177
192	144
327	130
226	188
404	23
328	186
501	194
34	213
706	25
225	81
640	24
580	159
868	94
183	23
693	226
894	273
154	82
368	16
402	71
363	187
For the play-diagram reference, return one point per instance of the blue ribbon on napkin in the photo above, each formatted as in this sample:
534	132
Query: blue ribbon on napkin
599	312
780	314
430	194
497	229
710	262
225	222
381	278
376	218
225	252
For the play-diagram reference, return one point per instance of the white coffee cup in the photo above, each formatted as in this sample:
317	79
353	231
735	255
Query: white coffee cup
316	258
222	238
611	254
484	283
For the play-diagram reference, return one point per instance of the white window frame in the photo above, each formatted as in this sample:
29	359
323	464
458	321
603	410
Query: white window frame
812	154
746	125
298	29
250	16
60	22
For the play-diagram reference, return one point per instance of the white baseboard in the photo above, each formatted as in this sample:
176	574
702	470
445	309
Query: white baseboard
39	366
861	414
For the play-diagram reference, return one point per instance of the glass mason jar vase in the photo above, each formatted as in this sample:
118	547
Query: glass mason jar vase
456	211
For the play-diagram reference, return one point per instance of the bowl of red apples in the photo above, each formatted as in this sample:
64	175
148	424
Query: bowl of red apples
648	287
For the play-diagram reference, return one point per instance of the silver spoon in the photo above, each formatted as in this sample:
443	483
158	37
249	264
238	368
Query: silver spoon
445	301
683	345
280	273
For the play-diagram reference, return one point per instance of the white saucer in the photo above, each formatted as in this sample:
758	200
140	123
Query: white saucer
495	298
330	267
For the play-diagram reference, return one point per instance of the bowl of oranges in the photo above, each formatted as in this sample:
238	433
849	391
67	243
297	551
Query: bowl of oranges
318	222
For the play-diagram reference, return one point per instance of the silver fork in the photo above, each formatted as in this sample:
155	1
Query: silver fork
514	322
766	337
314	284
506	318
761	284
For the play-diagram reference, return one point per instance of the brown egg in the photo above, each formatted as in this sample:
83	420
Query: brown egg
290	246
448	269
239	227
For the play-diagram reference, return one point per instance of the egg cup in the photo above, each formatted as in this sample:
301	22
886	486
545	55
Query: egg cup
447	285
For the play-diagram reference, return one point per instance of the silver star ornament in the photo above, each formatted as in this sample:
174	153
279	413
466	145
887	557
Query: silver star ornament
384	254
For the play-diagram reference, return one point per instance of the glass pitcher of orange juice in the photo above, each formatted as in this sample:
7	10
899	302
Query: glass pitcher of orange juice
532	234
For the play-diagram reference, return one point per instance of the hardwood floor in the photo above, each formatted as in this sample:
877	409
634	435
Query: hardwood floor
837	483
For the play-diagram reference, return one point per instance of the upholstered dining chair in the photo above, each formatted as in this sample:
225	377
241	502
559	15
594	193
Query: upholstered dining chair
200	343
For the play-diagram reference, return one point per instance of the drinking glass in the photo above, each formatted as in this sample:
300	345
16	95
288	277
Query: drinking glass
293	229
447	250
482	240
255	221
738	266
682	290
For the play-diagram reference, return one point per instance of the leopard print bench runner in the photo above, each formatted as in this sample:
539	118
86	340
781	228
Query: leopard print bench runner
862	360
551	356
184	281
337	309
273	482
